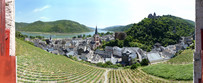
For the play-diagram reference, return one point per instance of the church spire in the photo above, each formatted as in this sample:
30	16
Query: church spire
96	30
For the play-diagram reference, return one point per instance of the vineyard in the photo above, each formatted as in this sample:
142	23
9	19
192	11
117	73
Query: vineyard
36	65
136	76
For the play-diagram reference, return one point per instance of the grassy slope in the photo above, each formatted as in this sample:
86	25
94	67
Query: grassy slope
35	64
184	58
167	71
175	69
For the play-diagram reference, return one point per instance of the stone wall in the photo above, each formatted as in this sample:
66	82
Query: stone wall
10	23
197	54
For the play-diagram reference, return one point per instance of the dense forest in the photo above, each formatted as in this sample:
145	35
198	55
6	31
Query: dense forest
166	30
60	26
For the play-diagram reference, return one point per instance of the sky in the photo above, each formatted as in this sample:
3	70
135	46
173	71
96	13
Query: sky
100	13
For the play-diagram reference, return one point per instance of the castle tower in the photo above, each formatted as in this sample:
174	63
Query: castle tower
198	54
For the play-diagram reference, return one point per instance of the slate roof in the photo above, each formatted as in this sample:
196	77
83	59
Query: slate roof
71	53
154	57
117	51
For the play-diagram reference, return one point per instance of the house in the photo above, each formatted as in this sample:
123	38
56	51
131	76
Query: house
167	54
71	53
129	54
85	57
27	39
83	49
133	58
96	59
48	41
109	49
125	56
179	47
117	51
154	57
112	60
50	49
55	52
107	37
104	54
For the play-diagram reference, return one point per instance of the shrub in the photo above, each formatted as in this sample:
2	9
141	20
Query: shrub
99	64
134	66
30	43
105	65
109	63
144	62
113	66
74	58
119	65
126	67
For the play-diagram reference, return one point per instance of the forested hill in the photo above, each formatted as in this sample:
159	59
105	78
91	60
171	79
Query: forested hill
166	29
118	28
60	26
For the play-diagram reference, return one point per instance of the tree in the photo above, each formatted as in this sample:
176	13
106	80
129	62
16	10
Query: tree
40	37
88	35
74	36
102	34
79	36
32	37
83	36
144	62
127	40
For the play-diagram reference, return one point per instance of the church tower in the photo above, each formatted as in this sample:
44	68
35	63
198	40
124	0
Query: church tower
96	38
96	30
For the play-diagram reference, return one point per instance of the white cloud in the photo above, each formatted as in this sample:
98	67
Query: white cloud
44	18
42	8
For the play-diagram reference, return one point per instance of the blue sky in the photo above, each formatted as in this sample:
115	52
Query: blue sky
103	13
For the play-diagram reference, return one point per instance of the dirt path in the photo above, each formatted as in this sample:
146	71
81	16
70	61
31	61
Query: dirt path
106	75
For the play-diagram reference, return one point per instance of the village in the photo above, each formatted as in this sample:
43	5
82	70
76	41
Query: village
86	49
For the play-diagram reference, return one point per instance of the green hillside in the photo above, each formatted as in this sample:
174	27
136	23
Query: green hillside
119	28
20	25
166	29
178	68
60	26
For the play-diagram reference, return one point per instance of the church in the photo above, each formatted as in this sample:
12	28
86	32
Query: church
96	42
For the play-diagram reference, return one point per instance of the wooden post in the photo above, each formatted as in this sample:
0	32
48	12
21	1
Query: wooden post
7	62
2	28
200	81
